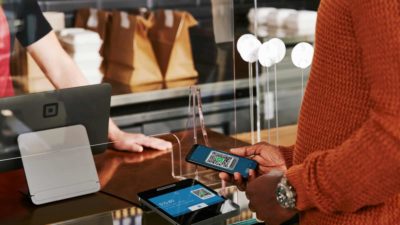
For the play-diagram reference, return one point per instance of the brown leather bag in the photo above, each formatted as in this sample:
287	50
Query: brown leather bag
130	56
95	20
171	42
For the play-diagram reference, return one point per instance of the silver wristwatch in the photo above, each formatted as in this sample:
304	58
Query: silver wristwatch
285	194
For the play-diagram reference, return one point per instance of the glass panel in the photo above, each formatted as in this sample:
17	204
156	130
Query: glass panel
124	174
280	85
61	159
151	52
86	106
58	164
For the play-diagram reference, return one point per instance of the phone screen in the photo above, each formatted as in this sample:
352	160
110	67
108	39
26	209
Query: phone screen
220	160
186	200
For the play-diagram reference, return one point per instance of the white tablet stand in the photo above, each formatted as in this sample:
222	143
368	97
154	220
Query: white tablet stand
58	164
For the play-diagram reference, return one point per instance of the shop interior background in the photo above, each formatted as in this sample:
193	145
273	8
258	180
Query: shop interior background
164	107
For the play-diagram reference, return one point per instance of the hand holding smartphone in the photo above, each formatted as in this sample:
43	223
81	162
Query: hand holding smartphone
220	160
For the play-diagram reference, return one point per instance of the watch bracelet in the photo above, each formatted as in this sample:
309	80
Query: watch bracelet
289	200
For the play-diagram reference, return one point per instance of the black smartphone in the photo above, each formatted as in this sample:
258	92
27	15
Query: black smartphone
220	160
189	202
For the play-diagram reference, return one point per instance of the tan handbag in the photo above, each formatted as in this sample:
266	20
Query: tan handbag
171	42
130	56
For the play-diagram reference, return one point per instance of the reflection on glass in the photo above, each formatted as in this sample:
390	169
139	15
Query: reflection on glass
150	52
49	110
109	162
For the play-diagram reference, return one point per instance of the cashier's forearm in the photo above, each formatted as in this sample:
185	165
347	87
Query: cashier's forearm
60	69
57	65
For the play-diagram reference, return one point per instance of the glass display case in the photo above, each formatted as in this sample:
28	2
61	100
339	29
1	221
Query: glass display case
164	60
159	103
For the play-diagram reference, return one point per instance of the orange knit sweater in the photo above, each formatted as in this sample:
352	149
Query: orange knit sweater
346	160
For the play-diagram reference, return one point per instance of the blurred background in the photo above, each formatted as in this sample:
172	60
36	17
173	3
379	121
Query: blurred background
157	102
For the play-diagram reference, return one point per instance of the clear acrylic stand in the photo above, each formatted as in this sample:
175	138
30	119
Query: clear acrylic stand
251	98
276	107
258	84
302	84
269	113
195	125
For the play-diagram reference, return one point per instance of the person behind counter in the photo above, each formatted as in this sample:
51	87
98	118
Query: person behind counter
345	166
35	33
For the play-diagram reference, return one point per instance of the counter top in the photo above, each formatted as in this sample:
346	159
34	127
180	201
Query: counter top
122	175
287	135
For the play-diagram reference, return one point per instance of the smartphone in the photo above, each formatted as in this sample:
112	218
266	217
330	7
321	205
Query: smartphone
220	160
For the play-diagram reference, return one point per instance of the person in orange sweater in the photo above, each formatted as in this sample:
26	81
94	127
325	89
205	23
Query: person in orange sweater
345	165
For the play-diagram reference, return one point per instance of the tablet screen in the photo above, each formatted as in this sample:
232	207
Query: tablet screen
186	200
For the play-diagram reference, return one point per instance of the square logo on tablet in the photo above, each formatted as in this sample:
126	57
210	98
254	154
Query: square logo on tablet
50	110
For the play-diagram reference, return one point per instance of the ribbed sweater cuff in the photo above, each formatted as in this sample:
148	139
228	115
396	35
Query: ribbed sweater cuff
295	177
287	153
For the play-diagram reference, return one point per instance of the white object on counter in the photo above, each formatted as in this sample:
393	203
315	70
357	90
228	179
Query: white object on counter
67	31
89	47
93	78
262	15
304	22
75	36
83	47
262	30
278	17
89	64
92	75
265	31
86	57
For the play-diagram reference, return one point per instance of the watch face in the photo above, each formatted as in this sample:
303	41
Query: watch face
281	194
285	195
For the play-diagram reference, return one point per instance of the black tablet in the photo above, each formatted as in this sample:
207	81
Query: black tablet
189	202
86	105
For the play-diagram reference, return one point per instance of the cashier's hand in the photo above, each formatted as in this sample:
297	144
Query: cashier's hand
267	156
124	141
261	194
